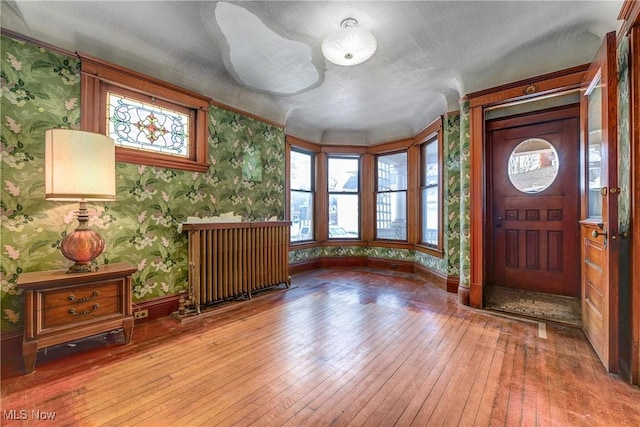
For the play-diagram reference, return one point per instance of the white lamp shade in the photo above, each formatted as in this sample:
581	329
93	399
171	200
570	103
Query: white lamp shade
79	166
349	46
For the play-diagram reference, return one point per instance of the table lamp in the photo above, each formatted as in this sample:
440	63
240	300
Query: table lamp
80	166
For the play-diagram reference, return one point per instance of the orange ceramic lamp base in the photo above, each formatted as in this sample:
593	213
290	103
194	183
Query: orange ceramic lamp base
83	245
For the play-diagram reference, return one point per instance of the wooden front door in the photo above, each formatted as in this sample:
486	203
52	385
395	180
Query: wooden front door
534	203
599	224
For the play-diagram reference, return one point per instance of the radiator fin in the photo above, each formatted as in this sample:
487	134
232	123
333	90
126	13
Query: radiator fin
228	260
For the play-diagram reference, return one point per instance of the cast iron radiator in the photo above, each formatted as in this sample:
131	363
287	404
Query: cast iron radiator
228	260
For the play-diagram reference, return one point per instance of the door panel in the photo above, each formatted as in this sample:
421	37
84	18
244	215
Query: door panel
599	226
533	228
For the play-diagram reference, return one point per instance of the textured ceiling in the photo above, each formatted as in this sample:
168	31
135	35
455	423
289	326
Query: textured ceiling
264	57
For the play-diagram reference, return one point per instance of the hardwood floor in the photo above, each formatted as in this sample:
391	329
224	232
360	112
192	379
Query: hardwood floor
341	347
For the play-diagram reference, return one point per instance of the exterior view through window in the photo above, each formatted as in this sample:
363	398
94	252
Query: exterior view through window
391	196
430	193
302	188
343	175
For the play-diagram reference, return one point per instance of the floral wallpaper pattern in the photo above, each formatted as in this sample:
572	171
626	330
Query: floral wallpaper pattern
41	90
465	195
452	193
624	137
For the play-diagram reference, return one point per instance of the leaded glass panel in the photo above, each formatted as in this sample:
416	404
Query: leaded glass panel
143	126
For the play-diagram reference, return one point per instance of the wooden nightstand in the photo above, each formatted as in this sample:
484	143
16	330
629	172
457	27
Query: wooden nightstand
61	306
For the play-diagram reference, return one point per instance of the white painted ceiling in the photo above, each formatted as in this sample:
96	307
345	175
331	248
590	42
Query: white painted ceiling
264	57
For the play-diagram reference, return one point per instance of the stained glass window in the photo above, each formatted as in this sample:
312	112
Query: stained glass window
144	126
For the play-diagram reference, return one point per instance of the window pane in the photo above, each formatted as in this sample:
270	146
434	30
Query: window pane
344	214
136	124
343	174
594	152
301	216
430	215
391	215
392	172
301	170
431	169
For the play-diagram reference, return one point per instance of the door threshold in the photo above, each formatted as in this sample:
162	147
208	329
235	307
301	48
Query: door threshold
535	305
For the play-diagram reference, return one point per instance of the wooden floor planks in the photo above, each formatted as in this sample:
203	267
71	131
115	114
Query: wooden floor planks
341	347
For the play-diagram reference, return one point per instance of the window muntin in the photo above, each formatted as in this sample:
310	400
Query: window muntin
141	125
302	190
343	183
430	199
391	196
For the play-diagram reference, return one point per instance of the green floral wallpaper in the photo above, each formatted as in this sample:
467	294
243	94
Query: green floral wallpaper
465	195
452	193
41	90
624	137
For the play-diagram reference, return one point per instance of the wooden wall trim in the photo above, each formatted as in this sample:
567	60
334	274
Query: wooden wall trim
630	14
532	88
478	185
11	343
17	36
529	89
307	265
634	274
441	280
158	307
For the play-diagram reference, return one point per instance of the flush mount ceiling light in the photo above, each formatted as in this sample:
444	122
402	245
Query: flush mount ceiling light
349	45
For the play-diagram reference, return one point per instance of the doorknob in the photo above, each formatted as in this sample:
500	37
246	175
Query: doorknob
596	233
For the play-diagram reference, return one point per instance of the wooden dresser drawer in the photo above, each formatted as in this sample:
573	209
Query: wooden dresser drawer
80	295
61	306
82	312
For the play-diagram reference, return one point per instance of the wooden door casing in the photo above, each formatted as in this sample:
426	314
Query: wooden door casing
534	237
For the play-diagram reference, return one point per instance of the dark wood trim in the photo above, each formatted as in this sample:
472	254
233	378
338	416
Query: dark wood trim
20	37
464	296
293	141
452	283
630	14
477	190
157	307
531	88
343	262
434	277
551	114
429	130
447	283
99	77
390	147
634	231
116	74
391	265
302	266
11	343
245	113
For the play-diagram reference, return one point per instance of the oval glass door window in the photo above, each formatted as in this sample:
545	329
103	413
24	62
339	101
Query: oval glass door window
533	165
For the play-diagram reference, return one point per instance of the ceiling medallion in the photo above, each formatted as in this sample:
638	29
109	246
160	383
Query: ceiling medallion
349	45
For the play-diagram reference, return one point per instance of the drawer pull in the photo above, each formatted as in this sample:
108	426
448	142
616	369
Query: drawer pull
72	297
73	312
